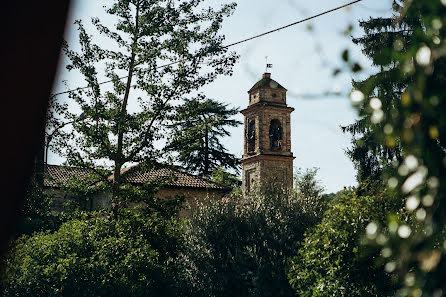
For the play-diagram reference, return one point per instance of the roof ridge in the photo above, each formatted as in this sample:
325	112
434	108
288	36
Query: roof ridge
135	174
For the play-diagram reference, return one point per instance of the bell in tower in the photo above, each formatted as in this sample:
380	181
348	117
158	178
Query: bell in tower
267	146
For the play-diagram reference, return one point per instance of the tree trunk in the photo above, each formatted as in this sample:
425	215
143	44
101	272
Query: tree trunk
115	189
206	152
119	155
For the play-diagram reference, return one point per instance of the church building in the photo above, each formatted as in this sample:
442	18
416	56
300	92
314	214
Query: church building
267	143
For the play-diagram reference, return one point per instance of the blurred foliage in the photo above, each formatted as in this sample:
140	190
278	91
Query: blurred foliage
408	115
240	247
95	255
369	153
196	131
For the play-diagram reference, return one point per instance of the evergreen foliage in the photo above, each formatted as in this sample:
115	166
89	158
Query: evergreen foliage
223	177
414	125
36	213
309	190
370	154
197	128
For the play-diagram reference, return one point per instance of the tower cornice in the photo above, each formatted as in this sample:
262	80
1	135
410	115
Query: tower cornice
266	105
268	157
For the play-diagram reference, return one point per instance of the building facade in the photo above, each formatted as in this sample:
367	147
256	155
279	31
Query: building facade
267	142
170	182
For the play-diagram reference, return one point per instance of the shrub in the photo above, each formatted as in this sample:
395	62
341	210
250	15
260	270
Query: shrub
331	260
97	255
240	248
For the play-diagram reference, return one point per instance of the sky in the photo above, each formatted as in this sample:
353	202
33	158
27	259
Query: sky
303	57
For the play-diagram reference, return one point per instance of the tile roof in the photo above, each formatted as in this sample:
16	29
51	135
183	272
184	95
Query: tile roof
169	176
266	83
56	174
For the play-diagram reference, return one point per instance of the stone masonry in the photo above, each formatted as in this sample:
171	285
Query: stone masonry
267	142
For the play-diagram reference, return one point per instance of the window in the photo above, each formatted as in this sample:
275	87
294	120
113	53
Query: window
275	135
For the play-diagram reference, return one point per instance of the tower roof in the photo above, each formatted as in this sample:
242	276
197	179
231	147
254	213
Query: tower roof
266	82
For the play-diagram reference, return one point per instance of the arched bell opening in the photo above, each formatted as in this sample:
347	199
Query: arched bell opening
275	135
251	136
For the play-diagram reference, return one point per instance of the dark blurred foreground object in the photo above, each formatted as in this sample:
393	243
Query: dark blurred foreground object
32	33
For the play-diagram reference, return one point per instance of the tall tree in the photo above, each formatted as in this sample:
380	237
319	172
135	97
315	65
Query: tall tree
197	128
159	49
415	243
369	152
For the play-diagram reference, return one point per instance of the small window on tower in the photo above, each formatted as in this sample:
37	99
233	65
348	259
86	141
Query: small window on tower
274	95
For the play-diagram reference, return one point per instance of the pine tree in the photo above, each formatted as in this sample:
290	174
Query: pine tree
371	152
197	128
118	125
413	122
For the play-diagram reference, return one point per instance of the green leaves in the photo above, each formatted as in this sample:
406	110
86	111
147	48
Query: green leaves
95	256
400	140
331	262
121	123
240	246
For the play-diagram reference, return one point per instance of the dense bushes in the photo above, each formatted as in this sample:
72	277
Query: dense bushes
237	246
98	255
331	260
240	248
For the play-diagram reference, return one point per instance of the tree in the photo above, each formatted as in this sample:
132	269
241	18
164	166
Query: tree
197	127
159	48
370	154
226	178
95	255
331	261
309	190
416	123
241	248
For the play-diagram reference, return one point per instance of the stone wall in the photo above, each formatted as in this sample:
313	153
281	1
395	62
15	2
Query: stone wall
260	170
103	200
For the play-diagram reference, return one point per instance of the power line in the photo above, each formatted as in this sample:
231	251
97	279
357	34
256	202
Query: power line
235	43
293	24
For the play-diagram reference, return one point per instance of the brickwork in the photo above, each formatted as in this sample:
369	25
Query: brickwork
272	157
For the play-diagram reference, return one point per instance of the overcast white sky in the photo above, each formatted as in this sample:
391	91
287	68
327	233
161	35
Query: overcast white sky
303	61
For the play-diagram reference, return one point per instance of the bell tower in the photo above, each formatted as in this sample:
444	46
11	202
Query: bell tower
267	142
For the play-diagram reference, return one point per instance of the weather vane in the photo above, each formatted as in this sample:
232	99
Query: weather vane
267	65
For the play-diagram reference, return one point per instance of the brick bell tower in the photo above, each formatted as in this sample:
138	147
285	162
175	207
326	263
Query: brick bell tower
267	145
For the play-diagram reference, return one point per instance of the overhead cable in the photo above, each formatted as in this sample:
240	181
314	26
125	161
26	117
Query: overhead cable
235	43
